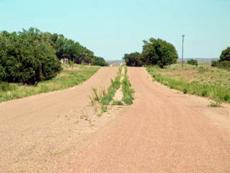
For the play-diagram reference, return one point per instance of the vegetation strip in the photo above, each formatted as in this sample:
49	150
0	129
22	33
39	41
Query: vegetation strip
215	89
102	99
127	90
69	77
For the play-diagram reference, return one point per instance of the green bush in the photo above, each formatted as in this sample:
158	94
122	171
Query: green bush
224	61
159	52
225	55
192	62
26	57
221	64
133	59
99	61
155	52
214	63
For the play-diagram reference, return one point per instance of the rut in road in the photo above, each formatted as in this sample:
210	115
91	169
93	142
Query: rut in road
163	131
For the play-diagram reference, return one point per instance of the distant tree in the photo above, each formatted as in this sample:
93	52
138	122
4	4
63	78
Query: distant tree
192	62
71	50
225	55
224	61
133	59
99	61
159	52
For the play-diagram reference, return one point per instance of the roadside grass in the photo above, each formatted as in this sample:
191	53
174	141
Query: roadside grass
102	99
69	77
203	80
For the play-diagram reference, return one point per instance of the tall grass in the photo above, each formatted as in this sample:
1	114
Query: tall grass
69	77
105	98
214	91
127	90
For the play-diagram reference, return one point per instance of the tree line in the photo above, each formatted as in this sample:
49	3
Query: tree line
160	52
224	61
31	56
155	52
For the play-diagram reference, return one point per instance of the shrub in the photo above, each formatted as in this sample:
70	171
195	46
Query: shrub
225	55
192	62
27	57
224	61
159	52
214	63
133	59
155	52
221	64
99	61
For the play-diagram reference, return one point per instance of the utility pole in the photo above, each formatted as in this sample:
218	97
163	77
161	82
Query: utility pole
182	61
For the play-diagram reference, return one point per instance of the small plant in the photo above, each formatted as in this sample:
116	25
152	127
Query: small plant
127	91
215	104
185	91
117	103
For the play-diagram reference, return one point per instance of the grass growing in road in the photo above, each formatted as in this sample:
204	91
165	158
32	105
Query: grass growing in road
102	99
69	77
127	90
204	80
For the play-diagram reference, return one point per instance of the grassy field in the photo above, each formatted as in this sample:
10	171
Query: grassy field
69	77
202	80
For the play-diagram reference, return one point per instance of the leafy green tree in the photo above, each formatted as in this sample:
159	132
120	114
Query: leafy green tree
192	62
99	61
30	56
27	57
225	55
224	61
159	52
133	59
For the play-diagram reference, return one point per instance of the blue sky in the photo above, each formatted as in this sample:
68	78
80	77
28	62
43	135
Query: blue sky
113	27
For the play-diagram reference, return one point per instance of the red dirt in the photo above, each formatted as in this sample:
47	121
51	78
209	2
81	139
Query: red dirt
163	131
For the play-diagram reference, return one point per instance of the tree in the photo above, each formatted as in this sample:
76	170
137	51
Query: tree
224	61
99	61
192	62
30	56
159	52
27	57
225	55
133	59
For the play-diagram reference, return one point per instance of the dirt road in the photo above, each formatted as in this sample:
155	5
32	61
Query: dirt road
35	130
163	132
